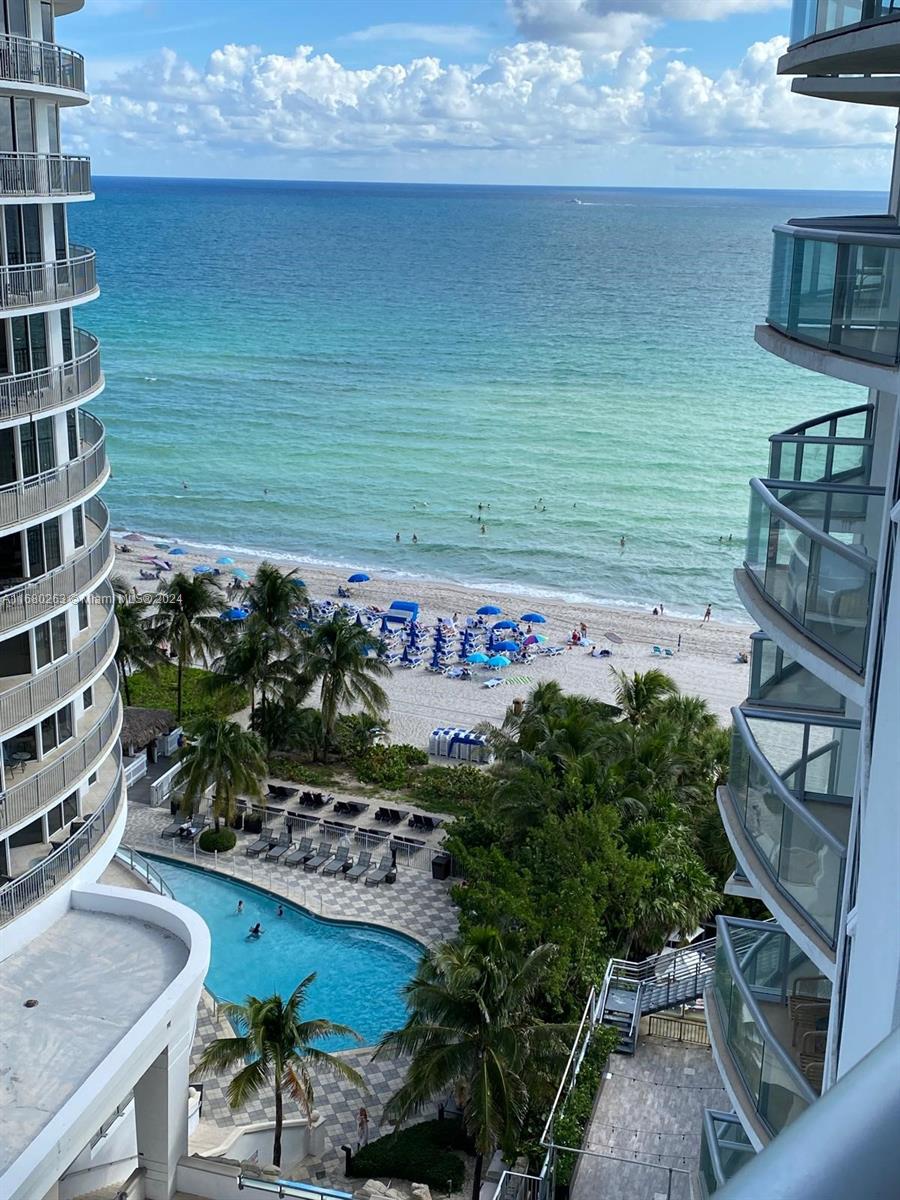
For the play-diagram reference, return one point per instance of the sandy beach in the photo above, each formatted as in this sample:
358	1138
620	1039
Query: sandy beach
704	665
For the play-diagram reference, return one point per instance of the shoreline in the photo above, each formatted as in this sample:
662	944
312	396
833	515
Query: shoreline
703	661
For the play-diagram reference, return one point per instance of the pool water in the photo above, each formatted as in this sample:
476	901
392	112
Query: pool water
359	969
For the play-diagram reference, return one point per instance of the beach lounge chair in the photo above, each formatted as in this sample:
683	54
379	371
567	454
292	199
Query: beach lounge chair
492	683
341	862
262	843
320	857
381	872
668	653
304	851
279	848
362	864
656	651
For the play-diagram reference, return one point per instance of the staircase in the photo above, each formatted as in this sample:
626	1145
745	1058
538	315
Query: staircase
632	990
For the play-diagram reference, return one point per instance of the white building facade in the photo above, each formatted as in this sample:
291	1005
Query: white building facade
98	985
812	804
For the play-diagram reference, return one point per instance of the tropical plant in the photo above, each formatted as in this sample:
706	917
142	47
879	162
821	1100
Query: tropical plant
274	1048
260	659
273	597
337	654
187	617
473	1029
138	647
222	755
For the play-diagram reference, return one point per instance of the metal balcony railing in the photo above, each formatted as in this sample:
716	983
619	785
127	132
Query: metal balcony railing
58	683
31	285
21	893
38	175
32	392
23	60
39	494
836	448
31	599
56	779
724	1149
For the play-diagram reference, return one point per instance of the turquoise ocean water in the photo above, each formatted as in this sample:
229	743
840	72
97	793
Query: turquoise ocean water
382	358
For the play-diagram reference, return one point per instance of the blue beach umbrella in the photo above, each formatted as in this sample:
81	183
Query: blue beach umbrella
507	624
533	618
488	610
225	561
177	550
498	660
477	657
358	577
506	646
298	583
239	573
235	614
202	569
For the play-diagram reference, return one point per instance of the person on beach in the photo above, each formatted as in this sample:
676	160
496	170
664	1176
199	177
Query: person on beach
362	1129
655	612
708	614
662	611
584	631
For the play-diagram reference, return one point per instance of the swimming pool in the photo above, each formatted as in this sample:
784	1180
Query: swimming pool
360	969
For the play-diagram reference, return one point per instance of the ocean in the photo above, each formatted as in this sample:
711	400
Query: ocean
329	365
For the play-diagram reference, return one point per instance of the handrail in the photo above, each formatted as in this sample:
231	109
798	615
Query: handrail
845	230
24	799
711	1115
798	716
288	1188
43	594
51	387
144	868
25	890
586	1023
808	530
813	422
27	60
27	173
724	943
56	683
31	284
36	495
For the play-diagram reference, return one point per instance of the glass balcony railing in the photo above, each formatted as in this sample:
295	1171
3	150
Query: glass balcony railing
724	1148
832	449
778	681
807	553
835	284
791	786
815	18
771	1008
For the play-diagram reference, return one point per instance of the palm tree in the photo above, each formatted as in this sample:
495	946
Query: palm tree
639	695
275	1048
225	757
274	595
472	1028
335	654
138	647
188	619
258	658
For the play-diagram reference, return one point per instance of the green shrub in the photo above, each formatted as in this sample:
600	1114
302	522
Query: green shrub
389	766
423	1153
224	840
572	1121
448	789
252	822
283	767
159	689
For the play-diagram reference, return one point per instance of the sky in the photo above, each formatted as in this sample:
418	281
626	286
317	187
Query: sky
666	93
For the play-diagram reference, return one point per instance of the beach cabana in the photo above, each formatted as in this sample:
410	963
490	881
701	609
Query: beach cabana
400	612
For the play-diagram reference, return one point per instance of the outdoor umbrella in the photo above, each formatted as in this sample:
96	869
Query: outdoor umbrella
202	569
507	624
236	614
533	618
498	660
477	657
238	572
506	646
358	577
405	656
225	561
436	657
298	583
177	550
488	610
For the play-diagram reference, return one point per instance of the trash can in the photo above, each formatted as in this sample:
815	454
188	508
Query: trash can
440	866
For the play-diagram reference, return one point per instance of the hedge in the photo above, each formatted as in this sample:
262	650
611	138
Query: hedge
423	1153
449	789
572	1121
389	766
209	840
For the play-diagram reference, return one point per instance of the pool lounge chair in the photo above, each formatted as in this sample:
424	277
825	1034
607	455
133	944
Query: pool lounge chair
341	862
174	827
279	848
319	859
362	864
380	874
301	854
262	843
198	824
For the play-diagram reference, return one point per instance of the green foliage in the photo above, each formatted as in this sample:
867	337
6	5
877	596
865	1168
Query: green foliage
422	1153
294	771
354	734
389	766
572	1119
451	789
158	689
210	840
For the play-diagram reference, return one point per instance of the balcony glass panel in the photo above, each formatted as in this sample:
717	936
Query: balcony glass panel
840	295
724	1149
832	449
824	592
778	680
774	1006
810	18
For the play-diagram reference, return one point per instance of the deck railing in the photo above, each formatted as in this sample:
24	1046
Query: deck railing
31	285
39	494
39	391
145	869
23	60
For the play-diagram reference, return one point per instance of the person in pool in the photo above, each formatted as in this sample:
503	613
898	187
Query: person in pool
256	930
280	911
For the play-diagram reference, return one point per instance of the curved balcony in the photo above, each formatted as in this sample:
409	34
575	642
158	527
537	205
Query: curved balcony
780	682
25	176
39	597
73	382
842	36
21	893
835	286
29	498
71	280
767	1014
786	810
53	686
56	777
724	1149
42	65
836	448
806	555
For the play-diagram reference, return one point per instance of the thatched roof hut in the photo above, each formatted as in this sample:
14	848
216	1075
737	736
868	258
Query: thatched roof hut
141	726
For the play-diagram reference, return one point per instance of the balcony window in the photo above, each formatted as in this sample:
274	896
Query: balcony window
812	18
778	680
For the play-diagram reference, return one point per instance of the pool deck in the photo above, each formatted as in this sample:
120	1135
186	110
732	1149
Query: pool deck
415	904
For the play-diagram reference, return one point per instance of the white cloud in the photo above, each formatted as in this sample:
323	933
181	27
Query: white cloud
459	36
